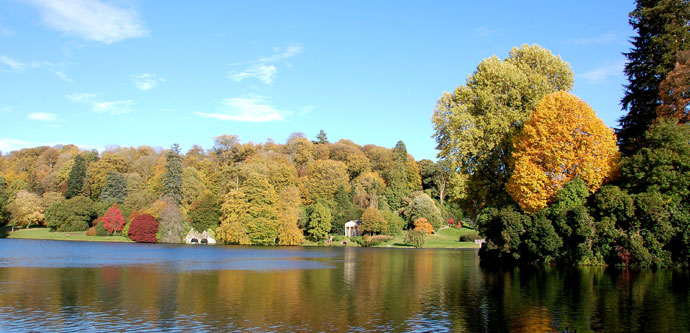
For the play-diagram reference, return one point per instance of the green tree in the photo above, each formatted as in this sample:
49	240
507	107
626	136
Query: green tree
662	32
115	189
172	178
398	187
372	221
74	214
4	198
75	182
475	125
344	210
420	206
321	138
319	220
204	213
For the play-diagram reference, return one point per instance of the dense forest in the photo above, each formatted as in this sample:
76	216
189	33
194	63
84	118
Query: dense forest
547	182
243	193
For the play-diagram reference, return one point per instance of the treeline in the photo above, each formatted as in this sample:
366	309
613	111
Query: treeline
548	182
243	193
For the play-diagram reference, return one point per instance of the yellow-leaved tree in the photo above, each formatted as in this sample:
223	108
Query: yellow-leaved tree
562	139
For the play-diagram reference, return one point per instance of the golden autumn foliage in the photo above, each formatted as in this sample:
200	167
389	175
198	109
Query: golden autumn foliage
562	139
423	225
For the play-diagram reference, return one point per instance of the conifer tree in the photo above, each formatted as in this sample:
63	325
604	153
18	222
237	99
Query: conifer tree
75	182
172	179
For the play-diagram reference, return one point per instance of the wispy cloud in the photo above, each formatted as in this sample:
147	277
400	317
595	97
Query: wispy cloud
42	116
264	73
6	32
603	72
146	81
63	76
606	38
115	107
248	109
91	20
263	69
5	109
14	65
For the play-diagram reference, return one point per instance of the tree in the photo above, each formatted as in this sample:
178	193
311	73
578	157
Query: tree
422	224
372	221
115	189
344	210
26	209
74	214
289	232
562	139
113	221
234	212
4	197
98	172
321	138
75	182
204	213
172	178
398	187
143	229
674	91
476	124
416	238
661	34
349	153
319	220
367	188
422	205
325	176
171	224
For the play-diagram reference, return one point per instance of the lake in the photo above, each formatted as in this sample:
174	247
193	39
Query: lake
78	286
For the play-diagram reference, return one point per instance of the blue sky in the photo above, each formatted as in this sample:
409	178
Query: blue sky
97	73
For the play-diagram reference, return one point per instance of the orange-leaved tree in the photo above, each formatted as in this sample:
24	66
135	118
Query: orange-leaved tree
562	139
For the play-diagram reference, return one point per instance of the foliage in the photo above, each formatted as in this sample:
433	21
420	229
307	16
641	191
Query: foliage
74	214
319	222
423	224
171	228
398	187
172	178
289	232
143	229
372	221
322	137
394	223
115	189
26	209
469	237
75	182
562	139
325	177
367	188
371	241
100	229
423	206
416	238
204	213
661	34
4	198
476	124
113	220
503	229
343	211
674	91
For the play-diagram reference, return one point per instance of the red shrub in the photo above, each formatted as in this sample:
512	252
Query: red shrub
143	229
113	220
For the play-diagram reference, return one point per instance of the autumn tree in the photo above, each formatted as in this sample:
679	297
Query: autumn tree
325	176
423	224
75	182
170	224
26	210
234	211
98	172
674	91
143	229
475	124
113	220
4	198
349	153
115	189
420	206
319	222
367	188
289	232
372	221
562	139
662	32
172	178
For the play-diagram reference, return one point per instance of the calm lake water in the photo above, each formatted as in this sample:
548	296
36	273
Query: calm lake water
75	286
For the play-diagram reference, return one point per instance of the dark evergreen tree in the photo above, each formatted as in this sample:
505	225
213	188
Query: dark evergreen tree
172	179
75	182
205	212
321	137
397	188
663	32
115	189
4	212
343	211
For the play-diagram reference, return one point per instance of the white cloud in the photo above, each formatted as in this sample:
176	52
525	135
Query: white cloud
606	38
63	76
602	73
92	20
146	81
15	65
264	73
42	116
247	109
113	107
116	107
263	69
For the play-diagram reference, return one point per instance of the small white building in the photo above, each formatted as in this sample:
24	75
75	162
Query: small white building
195	237
352	228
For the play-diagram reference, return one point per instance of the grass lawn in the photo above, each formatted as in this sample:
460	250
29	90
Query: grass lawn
443	239
45	233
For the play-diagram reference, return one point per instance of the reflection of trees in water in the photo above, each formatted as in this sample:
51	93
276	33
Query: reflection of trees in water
371	289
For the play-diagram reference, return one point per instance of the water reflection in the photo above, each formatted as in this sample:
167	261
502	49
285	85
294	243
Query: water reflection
319	289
